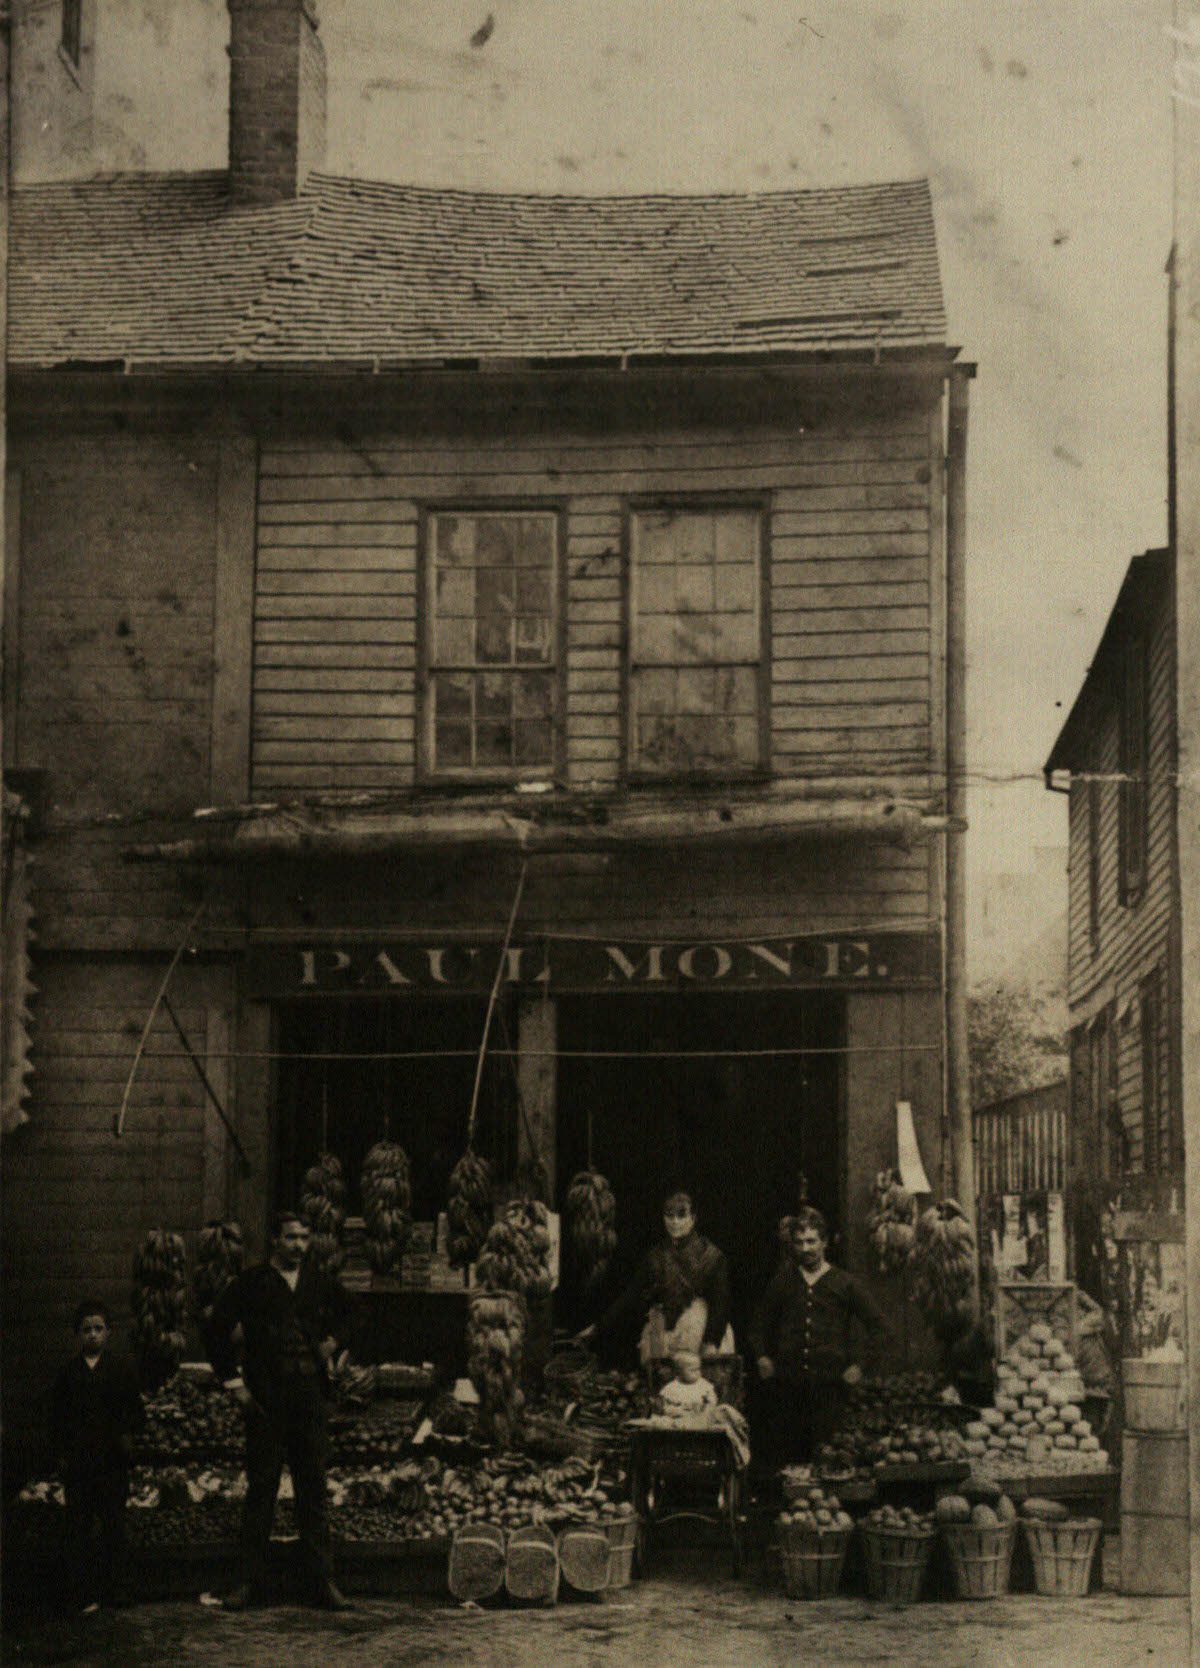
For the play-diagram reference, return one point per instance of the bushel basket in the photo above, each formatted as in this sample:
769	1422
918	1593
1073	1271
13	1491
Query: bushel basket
980	1559
896	1561
813	1560
1062	1556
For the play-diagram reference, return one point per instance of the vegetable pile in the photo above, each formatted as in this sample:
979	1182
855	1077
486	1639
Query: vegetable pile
1037	1421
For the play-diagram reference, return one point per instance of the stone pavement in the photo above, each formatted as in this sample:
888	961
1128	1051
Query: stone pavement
682	1614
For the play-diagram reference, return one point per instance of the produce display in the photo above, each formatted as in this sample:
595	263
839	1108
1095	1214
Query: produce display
891	1222
468	1208
590	1211
600	1404
900	1519
185	1418
943	1268
516	1252
387	1201
809	1506
323	1206
906	1419
1037	1422
219	1255
159	1300
956	1508
495	1345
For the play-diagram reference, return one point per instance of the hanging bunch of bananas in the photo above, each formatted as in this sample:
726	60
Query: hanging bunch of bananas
219	1254
590	1211
387	1201
516	1252
159	1301
469	1208
323	1207
891	1222
495	1345
943	1267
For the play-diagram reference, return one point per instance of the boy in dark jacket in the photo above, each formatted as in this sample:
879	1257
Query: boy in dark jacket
95	1412
287	1315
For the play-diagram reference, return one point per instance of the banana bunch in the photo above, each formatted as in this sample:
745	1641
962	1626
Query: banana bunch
387	1198
495	1345
219	1252
159	1301
323	1207
516	1252
943	1265
590	1212
469	1208
892	1222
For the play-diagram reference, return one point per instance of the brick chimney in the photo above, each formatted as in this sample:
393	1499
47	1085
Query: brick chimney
276	99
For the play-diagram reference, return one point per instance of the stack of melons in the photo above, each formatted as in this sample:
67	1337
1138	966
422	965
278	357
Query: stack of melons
1037	1418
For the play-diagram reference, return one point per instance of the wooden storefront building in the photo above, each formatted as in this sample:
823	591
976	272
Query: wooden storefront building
1117	757
407	585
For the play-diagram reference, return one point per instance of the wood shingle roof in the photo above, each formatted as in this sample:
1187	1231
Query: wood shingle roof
159	271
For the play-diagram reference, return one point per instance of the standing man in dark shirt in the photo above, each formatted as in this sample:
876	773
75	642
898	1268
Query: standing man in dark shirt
801	1337
95	1412
288	1315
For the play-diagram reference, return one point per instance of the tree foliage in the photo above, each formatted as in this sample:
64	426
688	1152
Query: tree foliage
1015	1043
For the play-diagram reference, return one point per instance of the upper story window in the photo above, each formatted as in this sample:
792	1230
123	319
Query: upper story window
491	642
71	37
1133	797
696	685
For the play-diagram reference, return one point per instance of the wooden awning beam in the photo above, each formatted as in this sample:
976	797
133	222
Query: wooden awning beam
303	833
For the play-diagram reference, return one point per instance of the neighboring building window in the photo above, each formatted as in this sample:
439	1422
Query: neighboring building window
491	642
1133	797
72	29
1156	1154
1093	859
696	676
1112	1140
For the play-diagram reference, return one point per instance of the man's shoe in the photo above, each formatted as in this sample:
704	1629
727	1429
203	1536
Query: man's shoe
241	1598
330	1597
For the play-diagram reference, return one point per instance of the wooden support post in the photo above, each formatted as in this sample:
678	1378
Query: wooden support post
537	1028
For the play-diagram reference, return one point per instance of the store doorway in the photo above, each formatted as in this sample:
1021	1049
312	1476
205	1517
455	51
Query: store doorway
738	1096
353	1071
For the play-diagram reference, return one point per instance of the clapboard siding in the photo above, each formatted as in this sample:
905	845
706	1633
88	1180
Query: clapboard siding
850	606
1129	942
77	1199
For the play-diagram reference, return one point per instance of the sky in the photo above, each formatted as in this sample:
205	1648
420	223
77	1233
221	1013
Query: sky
1045	131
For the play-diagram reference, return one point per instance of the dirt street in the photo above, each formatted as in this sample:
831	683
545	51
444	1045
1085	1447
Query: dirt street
682	1615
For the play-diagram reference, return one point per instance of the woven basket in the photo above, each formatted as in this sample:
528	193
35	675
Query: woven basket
622	1535
896	1561
980	1559
813	1560
477	1561
1062	1556
531	1566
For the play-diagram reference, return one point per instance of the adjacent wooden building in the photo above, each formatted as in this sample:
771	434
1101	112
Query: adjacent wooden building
1117	757
420	594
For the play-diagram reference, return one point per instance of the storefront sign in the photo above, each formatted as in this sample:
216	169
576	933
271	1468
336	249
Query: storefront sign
849	960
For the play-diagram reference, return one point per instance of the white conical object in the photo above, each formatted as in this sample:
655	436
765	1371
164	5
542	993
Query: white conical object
912	1171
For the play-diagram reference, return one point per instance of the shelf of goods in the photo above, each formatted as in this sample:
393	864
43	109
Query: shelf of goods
897	1432
1037	1424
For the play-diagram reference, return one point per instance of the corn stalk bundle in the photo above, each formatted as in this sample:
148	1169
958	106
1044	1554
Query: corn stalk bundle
219	1254
516	1252
387	1198
943	1268
323	1207
590	1211
891	1222
495	1344
469	1208
159	1302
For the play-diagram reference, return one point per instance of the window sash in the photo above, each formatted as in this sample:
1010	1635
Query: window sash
694	677
492	655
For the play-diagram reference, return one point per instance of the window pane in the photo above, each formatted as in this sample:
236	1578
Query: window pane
452	743
493	695
534	541
454	642
532	697
533	589
697	690
693	589
735	537
455	540
493	641
494	541
452	696
493	745
736	588
694	539
455	592
533	640
655	542
656	589
532	741
734	637
656	692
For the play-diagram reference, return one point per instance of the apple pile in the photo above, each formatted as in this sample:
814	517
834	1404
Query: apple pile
1037	1419
905	1520
809	1507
